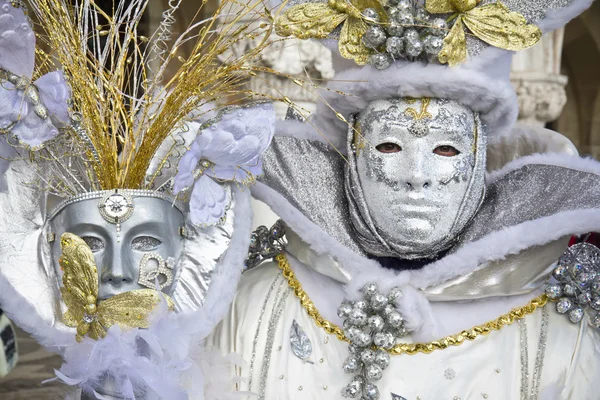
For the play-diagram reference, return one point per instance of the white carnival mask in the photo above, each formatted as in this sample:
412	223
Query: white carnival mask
421	166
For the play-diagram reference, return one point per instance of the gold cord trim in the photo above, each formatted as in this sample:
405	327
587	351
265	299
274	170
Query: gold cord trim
409	348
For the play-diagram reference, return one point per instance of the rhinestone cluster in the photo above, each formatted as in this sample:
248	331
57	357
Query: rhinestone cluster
578	287
266	243
372	325
410	33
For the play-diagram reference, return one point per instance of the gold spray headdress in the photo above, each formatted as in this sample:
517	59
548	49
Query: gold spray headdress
122	107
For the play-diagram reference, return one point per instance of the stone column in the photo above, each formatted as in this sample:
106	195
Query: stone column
540	87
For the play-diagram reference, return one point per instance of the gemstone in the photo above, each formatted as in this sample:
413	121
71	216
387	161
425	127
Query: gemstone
344	310
353	348
394	29
357	317
584	298
433	45
384	340
564	305
388	309
395	294
596	286
439	27
351	364
560	273
370	289
378	302
414	49
88	318
584	279
371	392
367	356
375	322
380	61
382	358
411	35
374	37
374	372
352	333
405	5
421	16
576	314
570	290
395	47
404	18
395	319
595	321
370	15
361	305
595	303
554	292
363	339
577	269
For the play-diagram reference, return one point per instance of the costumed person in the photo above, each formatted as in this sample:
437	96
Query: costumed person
125	218
411	272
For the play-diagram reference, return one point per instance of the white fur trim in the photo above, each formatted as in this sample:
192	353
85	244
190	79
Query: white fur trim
23	314
555	19
494	98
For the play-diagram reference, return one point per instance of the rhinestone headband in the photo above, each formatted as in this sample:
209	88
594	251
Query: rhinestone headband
126	192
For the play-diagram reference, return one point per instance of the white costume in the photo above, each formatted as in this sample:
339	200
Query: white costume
122	198
422	326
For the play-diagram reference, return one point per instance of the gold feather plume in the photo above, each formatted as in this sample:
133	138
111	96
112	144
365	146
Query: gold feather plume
116	75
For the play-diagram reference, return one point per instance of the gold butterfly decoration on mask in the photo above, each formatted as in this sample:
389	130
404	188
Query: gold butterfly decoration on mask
493	23
318	20
80	294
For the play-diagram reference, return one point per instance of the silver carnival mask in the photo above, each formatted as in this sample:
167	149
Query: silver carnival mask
135	238
417	175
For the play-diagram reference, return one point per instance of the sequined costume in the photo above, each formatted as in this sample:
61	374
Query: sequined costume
496	307
124	219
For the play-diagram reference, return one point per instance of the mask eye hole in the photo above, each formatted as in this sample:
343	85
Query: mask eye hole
145	243
388	147
94	243
446	151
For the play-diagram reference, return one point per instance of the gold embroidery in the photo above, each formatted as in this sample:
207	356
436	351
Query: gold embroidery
409	348
318	20
423	113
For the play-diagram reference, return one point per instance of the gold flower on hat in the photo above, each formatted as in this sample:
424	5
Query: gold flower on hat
493	23
318	20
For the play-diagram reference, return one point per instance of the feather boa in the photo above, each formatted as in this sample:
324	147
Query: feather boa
166	360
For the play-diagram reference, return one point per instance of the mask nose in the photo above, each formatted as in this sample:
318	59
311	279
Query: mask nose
418	183
417	178
116	274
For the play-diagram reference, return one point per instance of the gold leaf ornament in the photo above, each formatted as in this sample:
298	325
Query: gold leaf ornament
318	20
80	294
493	23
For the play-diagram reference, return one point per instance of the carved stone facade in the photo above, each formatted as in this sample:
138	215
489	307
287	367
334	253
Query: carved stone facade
307	60
540	87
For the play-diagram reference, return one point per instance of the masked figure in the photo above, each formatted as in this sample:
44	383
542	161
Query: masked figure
426	246
125	219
